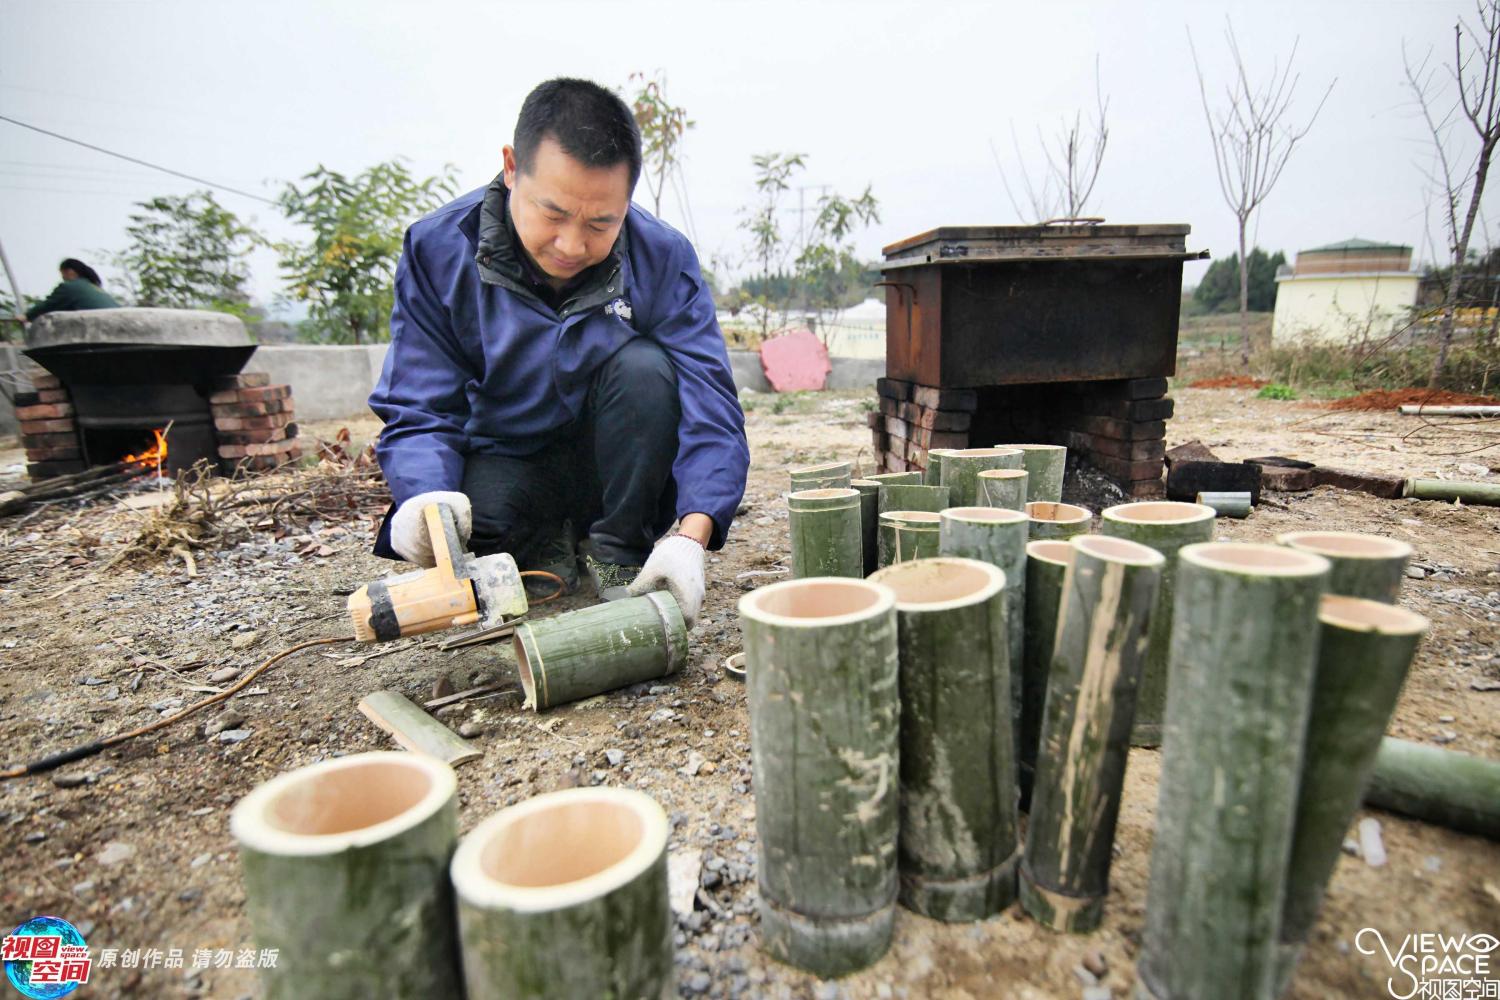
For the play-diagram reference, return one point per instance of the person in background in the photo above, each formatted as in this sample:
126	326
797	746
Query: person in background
79	289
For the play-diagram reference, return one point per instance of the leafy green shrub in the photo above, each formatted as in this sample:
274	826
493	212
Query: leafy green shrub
1276	391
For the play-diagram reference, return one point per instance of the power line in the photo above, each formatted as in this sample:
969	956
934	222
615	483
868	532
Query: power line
144	163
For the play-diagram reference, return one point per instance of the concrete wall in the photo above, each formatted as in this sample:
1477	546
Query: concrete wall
1340	307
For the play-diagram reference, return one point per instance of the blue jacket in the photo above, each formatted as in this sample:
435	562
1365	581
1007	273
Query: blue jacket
478	363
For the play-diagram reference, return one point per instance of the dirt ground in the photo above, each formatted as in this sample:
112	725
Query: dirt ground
134	845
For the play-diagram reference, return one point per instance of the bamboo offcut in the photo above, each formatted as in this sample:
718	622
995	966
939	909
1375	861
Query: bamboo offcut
1244	652
1457	790
958	841
960	469
1167	527
1045	464
1047	565
869	523
1487	494
579	654
828	476
908	534
1364	651
345	865
1235	505
823	684
1103	632
827	533
1003	488
1057	520
565	895
1368	566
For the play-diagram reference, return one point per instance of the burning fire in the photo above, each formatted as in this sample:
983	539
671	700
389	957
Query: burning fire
151	458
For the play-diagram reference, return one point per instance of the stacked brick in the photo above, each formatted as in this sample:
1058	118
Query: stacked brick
254	423
48	431
1119	426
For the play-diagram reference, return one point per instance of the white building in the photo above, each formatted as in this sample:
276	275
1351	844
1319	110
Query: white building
1345	291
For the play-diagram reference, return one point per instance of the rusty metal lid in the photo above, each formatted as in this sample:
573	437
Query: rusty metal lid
1073	241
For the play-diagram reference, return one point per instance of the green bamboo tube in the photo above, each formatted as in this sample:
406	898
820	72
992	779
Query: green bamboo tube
958	843
913	478
827	536
565	895
1368	566
1006	488
933	475
1103	629
1363	655
908	534
1057	520
825	711
345	865
1165	526
1226	504
828	476
996	536
961	467
869	523
1487	494
1045	463
1047	565
579	654
905	496
1456	790
1244	654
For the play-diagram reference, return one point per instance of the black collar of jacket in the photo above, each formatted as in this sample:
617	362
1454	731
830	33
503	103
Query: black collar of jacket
499	264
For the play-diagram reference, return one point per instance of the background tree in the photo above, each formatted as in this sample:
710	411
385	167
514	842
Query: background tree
188	252
663	126
762	220
827	267
1252	143
1219	291
346	271
1072	158
1462	160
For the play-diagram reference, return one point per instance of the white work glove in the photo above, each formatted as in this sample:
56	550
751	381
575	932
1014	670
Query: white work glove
409	535
676	565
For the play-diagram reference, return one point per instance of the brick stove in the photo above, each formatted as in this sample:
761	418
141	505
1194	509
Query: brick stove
114	377
1033	334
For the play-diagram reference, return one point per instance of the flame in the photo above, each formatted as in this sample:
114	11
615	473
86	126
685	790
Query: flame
151	458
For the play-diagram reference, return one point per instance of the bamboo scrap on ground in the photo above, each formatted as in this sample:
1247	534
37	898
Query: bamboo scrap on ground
415	730
1458	790
579	654
1487	494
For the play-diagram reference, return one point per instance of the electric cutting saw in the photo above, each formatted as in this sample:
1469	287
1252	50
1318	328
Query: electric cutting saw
461	589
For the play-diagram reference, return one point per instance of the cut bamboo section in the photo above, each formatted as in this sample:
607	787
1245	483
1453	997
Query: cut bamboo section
1456	790
1057	520
827	536
908	534
579	654
1244	652
565	895
905	496
933	475
1236	505
828	476
1363	656
960	469
345	865
998	537
958	840
1165	526
825	711
1103	633
913	478
1006	488
1047	565
1487	494
414	729
1368	566
869	523
1045	463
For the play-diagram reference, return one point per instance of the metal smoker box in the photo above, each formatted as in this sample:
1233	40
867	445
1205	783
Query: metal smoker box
970	306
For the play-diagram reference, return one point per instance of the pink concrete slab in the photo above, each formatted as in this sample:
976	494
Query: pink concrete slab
795	360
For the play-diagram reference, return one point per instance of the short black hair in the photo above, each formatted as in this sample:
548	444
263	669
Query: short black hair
81	269
590	123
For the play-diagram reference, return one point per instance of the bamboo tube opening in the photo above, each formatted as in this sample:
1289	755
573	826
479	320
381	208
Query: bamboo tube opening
941	583
1051	550
1118	550
978	452
1064	513
347	802
1346	544
523	666
814	469
824	494
1035	447
817	601
1373	616
864	482
1255	558
1002	473
996	515
559	849
918	516
1159	512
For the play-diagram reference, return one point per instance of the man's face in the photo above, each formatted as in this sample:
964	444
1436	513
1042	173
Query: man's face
567	215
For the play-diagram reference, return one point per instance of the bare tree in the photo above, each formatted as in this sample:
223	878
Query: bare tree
1252	144
1072	156
1476	103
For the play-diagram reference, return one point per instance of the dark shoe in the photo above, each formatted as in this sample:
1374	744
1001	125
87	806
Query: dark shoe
557	557
610	579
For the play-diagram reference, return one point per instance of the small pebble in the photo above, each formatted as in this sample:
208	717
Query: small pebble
72	780
1445	718
235	735
1095	963
1445	736
224	676
470	730
1097	993
114	852
201	860
615	757
1416	573
698	982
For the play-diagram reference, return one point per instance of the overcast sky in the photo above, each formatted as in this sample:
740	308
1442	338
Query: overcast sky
907	97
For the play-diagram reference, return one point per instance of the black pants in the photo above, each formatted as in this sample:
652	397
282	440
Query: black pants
609	472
